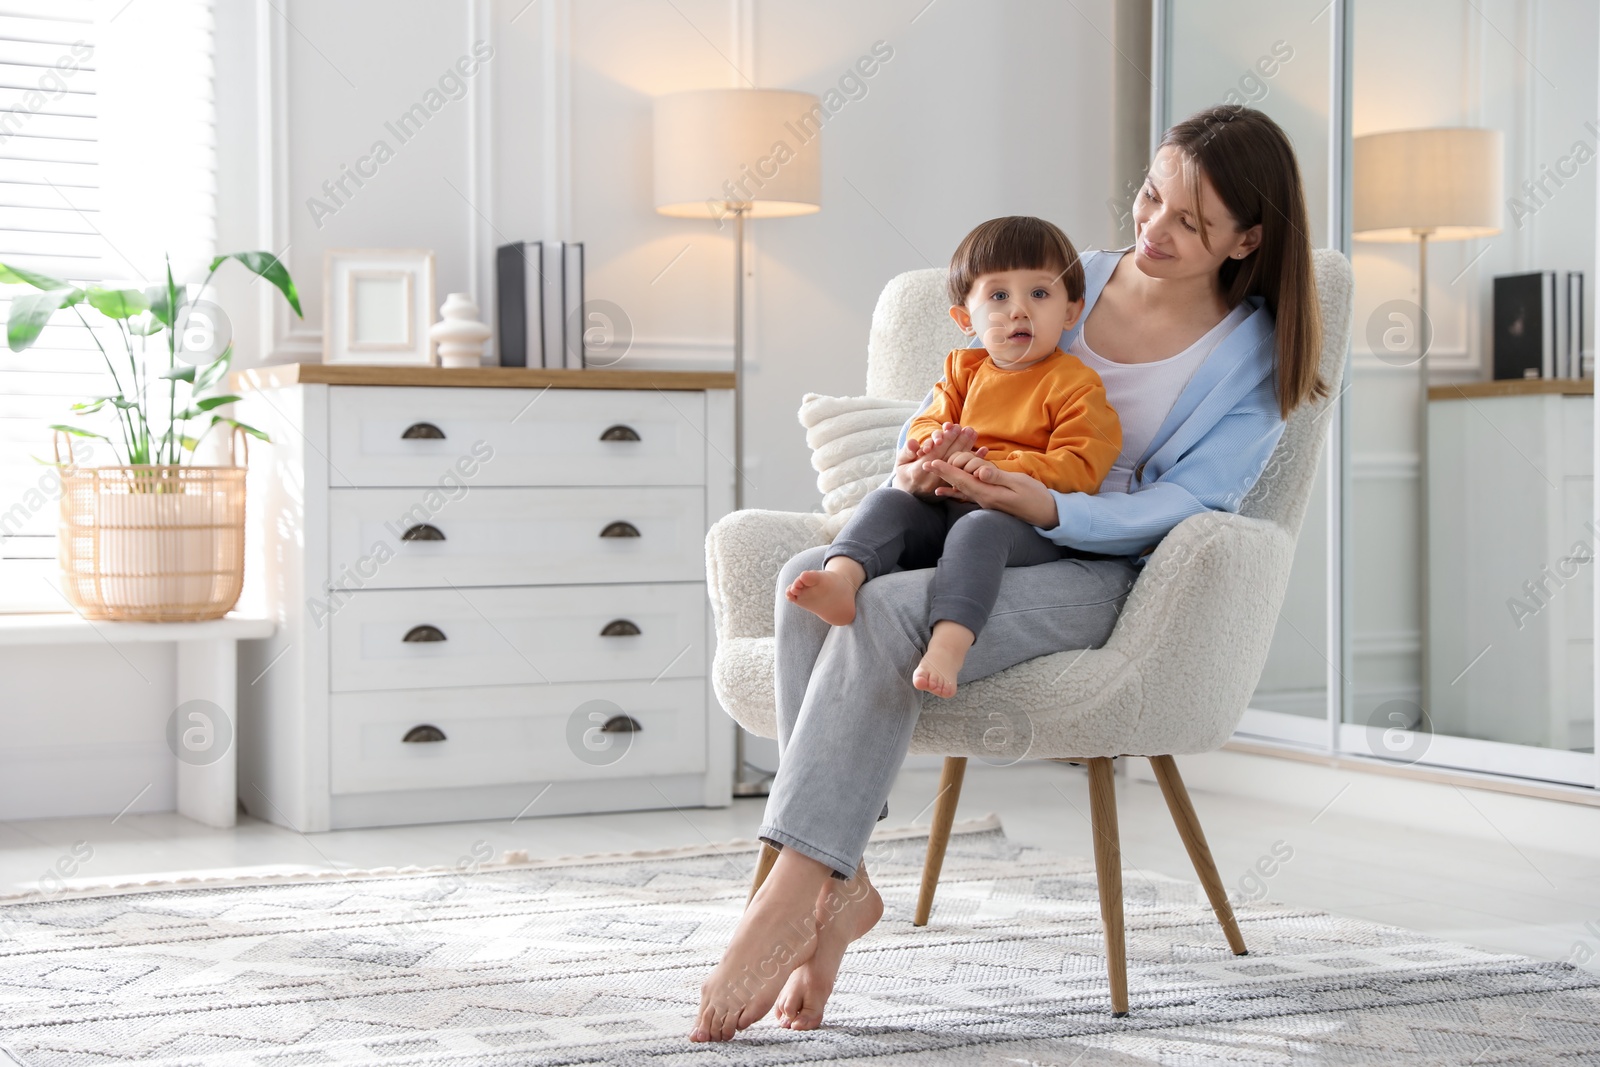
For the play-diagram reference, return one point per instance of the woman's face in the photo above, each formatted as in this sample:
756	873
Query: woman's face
1166	225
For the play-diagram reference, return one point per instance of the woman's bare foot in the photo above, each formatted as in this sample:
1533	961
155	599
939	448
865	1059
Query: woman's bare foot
829	594
845	911
776	934
941	664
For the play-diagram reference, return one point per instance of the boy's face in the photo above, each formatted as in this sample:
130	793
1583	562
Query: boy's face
1019	314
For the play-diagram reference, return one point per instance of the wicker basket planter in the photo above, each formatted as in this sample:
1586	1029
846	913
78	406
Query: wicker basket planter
152	543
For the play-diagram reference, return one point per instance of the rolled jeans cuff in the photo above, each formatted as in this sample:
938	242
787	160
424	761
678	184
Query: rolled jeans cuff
777	839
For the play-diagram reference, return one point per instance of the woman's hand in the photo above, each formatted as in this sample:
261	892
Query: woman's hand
911	472
1012	492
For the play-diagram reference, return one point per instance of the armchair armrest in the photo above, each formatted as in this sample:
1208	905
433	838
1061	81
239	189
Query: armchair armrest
1198	625
745	551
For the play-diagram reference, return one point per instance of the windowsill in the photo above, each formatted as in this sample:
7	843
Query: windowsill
68	629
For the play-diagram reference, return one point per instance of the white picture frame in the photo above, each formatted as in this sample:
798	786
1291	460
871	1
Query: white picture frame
377	305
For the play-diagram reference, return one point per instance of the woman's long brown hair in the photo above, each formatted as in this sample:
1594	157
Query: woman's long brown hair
1252	166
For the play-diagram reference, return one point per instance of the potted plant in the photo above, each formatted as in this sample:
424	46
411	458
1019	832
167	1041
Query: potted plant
153	537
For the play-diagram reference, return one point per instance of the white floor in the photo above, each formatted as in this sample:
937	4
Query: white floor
1506	897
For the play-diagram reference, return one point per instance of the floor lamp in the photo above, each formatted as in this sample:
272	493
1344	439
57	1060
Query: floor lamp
1440	184
738	153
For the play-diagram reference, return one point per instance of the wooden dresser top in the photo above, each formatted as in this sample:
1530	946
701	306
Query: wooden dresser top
281	374
1513	387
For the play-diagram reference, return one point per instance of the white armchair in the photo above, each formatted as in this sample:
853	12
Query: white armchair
1173	678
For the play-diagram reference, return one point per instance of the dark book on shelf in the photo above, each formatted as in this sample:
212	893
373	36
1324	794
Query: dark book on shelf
1524	323
519	312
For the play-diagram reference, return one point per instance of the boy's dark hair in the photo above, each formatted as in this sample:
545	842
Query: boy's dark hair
1015	242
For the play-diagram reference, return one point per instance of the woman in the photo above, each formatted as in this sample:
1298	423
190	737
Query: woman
1206	335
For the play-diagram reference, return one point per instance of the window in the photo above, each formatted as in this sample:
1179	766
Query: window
106	164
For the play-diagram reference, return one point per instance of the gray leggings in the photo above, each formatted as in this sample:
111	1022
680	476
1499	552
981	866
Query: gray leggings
846	706
968	546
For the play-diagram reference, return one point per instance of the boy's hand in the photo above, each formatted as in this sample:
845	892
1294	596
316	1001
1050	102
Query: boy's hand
911	471
971	462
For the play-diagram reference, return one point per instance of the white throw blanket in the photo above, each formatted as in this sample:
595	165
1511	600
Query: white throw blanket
852	442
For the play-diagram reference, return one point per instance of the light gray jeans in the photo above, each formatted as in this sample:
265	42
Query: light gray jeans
846	706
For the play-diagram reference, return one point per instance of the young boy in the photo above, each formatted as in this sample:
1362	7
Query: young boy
1037	410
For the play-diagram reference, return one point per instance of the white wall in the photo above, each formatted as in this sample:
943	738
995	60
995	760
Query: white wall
909	165
967	120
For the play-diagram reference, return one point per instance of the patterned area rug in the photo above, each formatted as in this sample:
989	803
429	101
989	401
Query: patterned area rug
598	960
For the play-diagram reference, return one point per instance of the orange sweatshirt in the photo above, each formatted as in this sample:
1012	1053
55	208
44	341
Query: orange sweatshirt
1050	420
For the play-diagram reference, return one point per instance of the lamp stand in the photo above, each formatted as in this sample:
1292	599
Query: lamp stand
738	356
758	787
1424	555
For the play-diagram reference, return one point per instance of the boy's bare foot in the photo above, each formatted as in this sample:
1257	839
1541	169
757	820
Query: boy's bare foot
767	945
845	911
941	664
828	595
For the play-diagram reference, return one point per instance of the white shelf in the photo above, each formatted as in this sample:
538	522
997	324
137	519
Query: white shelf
69	629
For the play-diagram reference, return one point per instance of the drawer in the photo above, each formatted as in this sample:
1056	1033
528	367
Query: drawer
500	735
419	638
513	537
380	436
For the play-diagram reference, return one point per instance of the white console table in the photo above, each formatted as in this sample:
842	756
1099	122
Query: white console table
1511	493
207	670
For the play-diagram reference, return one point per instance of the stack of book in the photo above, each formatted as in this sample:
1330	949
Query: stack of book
1538	325
540	297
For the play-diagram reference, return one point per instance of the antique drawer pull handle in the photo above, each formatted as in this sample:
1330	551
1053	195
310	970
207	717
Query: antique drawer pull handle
620	628
425	430
423	532
619	432
620	529
424	633
621	724
423	734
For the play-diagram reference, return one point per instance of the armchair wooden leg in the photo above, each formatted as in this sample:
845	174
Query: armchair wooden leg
1108	872
764	862
944	816
1194	839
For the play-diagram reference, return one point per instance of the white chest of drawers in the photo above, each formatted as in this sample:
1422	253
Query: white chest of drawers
490	593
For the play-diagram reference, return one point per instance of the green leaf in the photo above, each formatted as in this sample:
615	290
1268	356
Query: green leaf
94	404
165	303
144	325
78	431
30	312
180	374
200	407
213	372
269	267
251	430
16	275
118	303
189	443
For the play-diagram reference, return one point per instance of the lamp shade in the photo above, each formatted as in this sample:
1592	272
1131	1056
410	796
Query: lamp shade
1446	182
759	149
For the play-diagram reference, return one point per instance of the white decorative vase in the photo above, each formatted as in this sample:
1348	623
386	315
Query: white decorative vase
458	334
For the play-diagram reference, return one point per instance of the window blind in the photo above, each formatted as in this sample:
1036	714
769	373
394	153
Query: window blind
107	162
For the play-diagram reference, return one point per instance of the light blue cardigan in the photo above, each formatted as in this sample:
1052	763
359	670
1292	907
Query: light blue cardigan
1205	456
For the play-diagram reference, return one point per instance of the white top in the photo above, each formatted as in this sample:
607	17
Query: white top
66	628
1143	393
